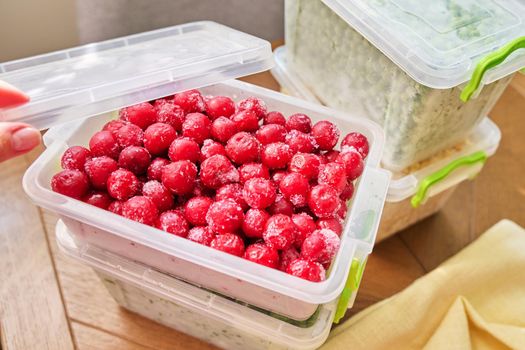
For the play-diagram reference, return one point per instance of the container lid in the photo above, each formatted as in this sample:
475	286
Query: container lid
101	77
438	42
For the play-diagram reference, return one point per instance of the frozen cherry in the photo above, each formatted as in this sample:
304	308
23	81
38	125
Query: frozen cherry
210	148
323	201
196	126
276	155
169	113
254	223
122	184
173	222
259	193
225	216
98	170
217	171
274	118
140	209
158	138
278	175
331	156
74	158
281	206
130	135
184	148
142	114
333	175
243	148
201	234
353	163
195	210
223	129
190	101
348	191
307	270
220	106
305	225
250	170
98	199
295	188
306	164
245	121
279	232
158	194
155	168
103	143
179	177
113	126
254	104
271	133
262	254
135	159
116	207
325	134
320	246
232	191
300	122
333	224
341	213
161	102
287	256
357	141
71	183
300	142
228	243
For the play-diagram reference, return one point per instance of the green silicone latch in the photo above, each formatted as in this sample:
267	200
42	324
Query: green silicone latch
432	179
488	62
352	284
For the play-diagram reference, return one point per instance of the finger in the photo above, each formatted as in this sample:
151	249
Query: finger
17	139
11	96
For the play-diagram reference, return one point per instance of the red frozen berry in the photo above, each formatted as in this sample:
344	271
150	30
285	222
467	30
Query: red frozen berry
190	101
122	184
279	232
158	194
140	209
300	142
341	213
275	118
135	159
155	168
129	135
331	156
217	171
158	138
98	170
254	104
98	199
348	191
225	216
262	254
74	158
173	222
357	141
333	175
210	148
278	175
281	206
325	135
271	133
113	126
103	143
276	155
179	177
259	193
306	164
287	256
71	183
160	102
323	201
254	223
220	106
196	126
245	121
223	129
195	210
320	246
228	243
142	114
250	170
232	191
184	148
305	225
116	207
333	224
243	148
307	270
295	188
201	234
300	122
169	113
353	163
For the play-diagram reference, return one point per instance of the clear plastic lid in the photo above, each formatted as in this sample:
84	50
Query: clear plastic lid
101	77
438	42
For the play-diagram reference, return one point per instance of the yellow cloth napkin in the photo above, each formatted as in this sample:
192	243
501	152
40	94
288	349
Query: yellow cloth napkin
474	300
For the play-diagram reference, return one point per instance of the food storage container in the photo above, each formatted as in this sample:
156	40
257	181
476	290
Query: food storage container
422	189
405	64
193	310
95	80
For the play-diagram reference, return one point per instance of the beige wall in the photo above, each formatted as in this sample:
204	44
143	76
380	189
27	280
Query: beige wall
30	27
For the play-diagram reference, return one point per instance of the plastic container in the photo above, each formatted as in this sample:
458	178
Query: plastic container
215	53
192	310
423	189
404	64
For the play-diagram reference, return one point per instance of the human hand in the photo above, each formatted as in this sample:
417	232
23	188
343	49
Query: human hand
15	138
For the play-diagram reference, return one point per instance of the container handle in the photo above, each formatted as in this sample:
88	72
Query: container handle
432	179
488	62
352	284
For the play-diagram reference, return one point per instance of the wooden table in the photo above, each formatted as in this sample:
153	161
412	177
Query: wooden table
48	301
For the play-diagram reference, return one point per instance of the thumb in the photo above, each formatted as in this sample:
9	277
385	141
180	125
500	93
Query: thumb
17	139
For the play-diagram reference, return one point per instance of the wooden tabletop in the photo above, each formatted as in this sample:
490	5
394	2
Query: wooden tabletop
48	301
